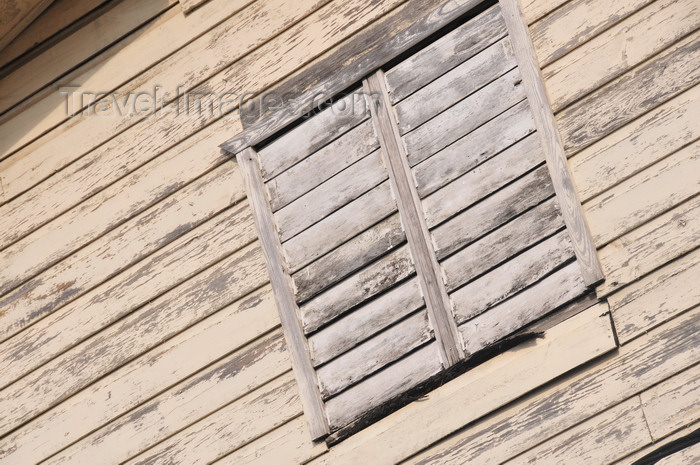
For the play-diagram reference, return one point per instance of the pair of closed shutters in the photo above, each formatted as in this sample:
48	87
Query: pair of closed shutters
415	221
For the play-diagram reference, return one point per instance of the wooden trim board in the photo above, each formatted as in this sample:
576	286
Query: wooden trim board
281	285
552	144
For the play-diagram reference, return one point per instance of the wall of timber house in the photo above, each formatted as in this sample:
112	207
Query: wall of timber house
137	324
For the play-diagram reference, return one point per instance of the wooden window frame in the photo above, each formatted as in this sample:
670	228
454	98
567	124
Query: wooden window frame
361	62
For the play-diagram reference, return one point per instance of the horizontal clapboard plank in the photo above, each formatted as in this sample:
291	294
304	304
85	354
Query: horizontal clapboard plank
492	212
455	85
444	54
657	297
339	226
636	145
154	323
333	194
511	277
134	287
633	40
383	386
348	257
502	244
463	117
200	345
364	321
486	178
371	280
321	165
473	149
484	388
373	354
631	95
198	396
312	135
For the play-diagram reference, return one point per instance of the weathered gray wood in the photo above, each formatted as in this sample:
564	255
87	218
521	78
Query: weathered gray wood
321	165
552	144
281	285
383	348
313	134
384	386
463	117
413	218
445	53
350	256
395	33
339	227
473	149
640	90
455	85
365	321
534	302
353	290
331	195
492	212
502	244
486	178
511	277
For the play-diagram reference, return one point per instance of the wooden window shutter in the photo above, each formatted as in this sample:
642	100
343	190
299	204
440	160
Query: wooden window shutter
415	222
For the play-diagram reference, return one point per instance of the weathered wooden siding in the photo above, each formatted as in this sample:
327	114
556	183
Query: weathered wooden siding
137	323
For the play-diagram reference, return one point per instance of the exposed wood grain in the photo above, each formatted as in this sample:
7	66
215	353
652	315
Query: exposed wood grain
536	9
448	89
289	444
492	212
618	49
690	454
17	15
281	285
101	259
483	180
381	349
348	257
331	195
574	398
390	36
502	244
159	320
196	397
657	297
134	287
645	195
324	163
463	117
650	246
621	429
533	303
445	53
384	385
551	142
656	445
631	95
673	404
229	428
484	389
356	288
312	135
365	321
60	17
339	226
473	149
81	45
413	219
183	355
636	145
511	277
